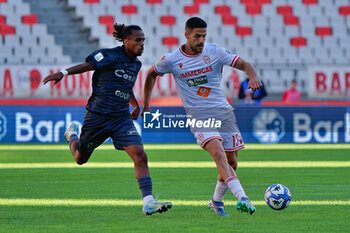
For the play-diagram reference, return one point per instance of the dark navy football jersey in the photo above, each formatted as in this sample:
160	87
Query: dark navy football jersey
112	82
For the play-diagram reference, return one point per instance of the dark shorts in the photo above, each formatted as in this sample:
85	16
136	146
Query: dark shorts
98	128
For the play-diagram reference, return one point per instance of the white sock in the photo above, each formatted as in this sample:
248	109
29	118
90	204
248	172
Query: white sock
147	199
220	191
70	133
235	186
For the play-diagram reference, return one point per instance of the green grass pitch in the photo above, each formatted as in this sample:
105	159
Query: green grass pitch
41	190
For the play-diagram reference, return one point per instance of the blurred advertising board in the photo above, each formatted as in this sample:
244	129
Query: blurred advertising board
46	124
329	82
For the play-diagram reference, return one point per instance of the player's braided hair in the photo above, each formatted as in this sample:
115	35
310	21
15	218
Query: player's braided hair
121	31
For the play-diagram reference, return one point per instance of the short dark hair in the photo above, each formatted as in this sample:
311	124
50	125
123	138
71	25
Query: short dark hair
121	31
195	22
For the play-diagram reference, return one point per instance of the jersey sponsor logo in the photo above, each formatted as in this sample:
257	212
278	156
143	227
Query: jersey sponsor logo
206	59
98	57
123	95
203	91
124	75
197	72
197	81
132	132
190	82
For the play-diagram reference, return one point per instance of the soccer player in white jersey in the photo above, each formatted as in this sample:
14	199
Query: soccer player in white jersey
197	69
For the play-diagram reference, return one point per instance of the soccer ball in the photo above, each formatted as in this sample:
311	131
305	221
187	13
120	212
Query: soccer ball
277	196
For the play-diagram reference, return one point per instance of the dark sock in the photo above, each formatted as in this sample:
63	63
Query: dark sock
145	184
73	138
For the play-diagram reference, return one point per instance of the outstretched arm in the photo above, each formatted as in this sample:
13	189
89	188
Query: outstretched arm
56	77
254	83
147	90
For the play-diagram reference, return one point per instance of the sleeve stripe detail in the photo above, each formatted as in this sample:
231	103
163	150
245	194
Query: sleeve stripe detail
155	70
234	61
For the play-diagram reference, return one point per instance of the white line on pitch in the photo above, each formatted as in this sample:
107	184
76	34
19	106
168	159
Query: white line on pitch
184	147
177	164
118	202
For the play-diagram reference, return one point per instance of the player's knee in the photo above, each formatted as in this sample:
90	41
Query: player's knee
232	159
140	158
233	164
219	156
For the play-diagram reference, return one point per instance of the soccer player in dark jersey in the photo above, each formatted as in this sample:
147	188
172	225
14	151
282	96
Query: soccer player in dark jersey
107	112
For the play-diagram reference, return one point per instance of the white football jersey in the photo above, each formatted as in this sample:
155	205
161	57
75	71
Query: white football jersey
198	77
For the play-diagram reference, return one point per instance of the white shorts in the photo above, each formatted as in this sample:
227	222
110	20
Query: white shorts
228	134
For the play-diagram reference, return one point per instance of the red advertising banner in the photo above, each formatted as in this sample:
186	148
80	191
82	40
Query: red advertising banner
329	82
26	82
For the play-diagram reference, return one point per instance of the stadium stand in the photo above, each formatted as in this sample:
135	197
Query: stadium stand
278	36
23	37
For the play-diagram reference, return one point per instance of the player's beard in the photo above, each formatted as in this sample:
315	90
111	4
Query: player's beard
140	51
198	48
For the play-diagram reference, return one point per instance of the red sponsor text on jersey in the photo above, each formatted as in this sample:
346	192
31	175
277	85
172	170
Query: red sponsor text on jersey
197	72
